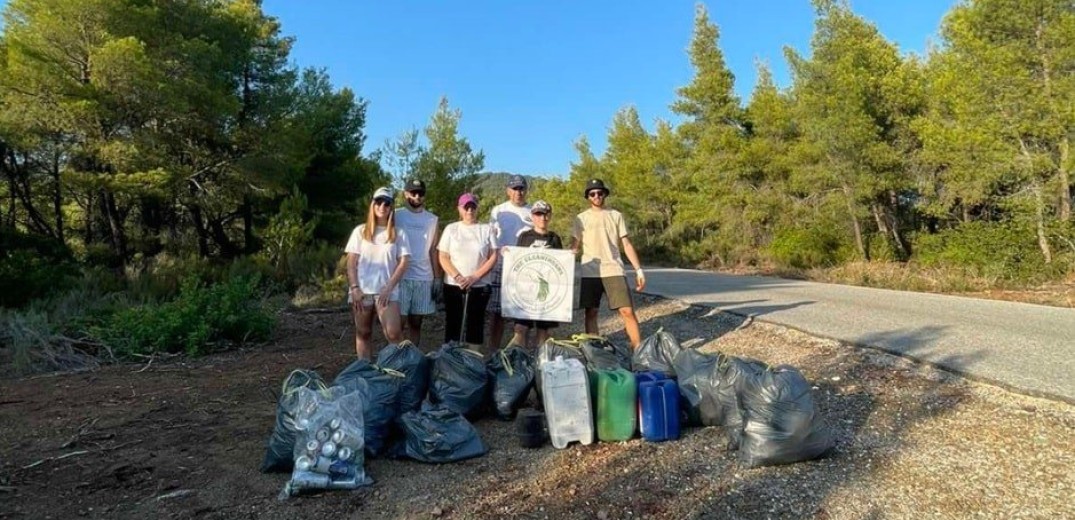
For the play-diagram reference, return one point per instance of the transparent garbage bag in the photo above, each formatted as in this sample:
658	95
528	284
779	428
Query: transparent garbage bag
329	451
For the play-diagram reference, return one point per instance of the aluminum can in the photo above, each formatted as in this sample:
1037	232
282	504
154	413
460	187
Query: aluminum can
322	434
328	449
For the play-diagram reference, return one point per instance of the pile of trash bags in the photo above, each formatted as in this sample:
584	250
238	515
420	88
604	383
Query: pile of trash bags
768	413
419	406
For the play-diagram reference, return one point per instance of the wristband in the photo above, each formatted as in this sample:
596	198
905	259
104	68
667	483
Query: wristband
354	287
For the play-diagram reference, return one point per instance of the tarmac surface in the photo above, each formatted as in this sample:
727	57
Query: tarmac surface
1026	348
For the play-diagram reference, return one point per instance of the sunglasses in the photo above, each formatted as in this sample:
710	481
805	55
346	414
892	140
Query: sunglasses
519	189
542	215
417	193
597	193
382	202
470	207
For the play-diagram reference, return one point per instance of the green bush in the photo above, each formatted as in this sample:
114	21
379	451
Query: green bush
1006	251
32	267
232	311
805	248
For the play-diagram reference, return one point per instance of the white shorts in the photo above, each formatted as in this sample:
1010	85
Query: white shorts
416	298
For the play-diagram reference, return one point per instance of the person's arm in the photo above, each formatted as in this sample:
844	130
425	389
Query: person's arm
352	280
484	268
632	256
393	281
576	236
450	272
438	271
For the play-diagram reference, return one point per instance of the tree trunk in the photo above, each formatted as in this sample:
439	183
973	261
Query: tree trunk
855	223
199	228
115	227
1039	220
1065	180
57	197
249	245
902	247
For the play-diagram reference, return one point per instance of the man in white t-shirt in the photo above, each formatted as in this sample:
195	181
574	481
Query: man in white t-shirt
417	287
509	219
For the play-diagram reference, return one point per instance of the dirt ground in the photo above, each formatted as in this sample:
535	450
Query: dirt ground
183	439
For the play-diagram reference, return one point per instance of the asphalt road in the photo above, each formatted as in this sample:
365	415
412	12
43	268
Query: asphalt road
1028	348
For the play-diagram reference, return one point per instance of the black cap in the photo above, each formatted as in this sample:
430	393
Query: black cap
595	184
414	185
517	181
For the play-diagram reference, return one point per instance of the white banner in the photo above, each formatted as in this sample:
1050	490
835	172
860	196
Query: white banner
538	284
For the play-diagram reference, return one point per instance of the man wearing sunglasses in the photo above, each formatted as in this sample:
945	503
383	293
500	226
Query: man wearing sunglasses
509	218
417	291
599	232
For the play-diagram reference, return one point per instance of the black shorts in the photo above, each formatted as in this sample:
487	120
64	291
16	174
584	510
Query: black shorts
615	287
542	325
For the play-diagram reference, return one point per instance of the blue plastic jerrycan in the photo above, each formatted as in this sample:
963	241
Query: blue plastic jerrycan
658	406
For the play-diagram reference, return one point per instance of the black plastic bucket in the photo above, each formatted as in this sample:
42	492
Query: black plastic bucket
530	428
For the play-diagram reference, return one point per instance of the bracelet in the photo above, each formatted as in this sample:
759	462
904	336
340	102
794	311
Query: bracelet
354	287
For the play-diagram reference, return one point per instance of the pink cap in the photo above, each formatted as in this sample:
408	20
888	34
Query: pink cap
467	198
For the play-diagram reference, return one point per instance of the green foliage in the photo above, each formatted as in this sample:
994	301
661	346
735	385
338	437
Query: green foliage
233	311
1005	251
287	231
32	267
805	248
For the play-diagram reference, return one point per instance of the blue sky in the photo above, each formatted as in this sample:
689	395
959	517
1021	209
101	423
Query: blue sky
532	76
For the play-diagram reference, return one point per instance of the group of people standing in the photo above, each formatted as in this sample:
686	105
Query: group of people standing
398	265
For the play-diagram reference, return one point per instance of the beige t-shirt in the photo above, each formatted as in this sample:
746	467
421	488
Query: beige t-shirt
600	232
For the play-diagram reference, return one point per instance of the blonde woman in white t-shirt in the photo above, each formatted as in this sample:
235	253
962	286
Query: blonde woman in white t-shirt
377	257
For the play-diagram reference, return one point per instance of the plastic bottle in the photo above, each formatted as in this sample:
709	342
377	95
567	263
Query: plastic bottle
658	407
566	395
616	404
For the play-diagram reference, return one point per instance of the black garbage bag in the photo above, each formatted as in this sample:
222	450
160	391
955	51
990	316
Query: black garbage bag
698	381
656	353
436	434
782	424
602	354
382	400
549	351
407	359
732	374
512	372
458	379
278	452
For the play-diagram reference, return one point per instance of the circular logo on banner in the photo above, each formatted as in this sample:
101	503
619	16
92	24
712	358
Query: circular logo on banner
539	282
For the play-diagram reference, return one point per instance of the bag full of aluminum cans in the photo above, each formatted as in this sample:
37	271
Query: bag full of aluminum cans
329	451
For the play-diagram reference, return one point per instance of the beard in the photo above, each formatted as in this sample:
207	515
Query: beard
414	203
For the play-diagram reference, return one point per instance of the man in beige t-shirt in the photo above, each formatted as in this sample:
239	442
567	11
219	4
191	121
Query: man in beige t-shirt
599	232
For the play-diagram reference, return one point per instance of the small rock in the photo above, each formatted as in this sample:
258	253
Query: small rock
602	515
437	511
835	378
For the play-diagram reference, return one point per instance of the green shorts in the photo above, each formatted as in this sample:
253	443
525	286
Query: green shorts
591	290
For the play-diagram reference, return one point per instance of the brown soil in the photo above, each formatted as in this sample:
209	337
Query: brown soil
183	439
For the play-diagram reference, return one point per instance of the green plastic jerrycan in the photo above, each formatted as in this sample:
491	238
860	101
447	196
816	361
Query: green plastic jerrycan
616	400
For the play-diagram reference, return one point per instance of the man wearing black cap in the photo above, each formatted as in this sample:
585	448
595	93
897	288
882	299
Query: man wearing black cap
599	232
509	218
417	287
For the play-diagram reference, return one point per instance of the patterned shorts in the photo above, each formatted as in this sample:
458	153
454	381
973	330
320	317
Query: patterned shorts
416	298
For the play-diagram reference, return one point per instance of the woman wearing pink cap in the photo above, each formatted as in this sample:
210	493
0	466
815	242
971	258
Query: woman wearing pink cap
467	252
377	257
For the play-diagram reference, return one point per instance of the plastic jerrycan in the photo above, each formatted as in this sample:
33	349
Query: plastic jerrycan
616	408
658	406
565	391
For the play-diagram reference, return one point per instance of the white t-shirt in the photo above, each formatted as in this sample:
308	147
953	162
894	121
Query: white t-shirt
420	228
468	247
509	220
377	259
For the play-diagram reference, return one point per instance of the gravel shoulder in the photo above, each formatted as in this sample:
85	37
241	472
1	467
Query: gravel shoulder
183	439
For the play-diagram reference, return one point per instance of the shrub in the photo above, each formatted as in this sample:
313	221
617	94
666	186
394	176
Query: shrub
233	311
997	250
32	267
804	248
